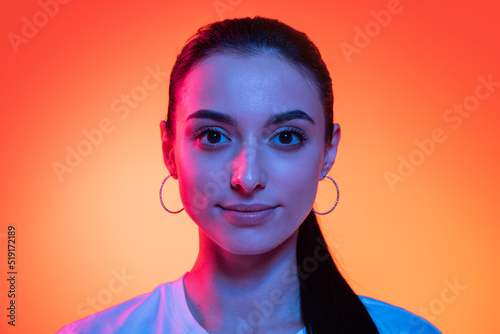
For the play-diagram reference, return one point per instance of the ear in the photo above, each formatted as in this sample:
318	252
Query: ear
331	151
167	145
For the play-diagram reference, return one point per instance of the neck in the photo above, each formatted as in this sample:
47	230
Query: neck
226	291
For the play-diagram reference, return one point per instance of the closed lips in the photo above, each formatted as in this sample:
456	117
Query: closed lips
247	207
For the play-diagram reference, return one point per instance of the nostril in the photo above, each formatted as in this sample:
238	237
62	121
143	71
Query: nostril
248	173
247	184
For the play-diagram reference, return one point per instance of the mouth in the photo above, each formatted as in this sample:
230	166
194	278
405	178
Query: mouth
247	214
247	207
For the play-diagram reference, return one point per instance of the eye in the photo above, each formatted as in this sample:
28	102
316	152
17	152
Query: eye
289	138
211	137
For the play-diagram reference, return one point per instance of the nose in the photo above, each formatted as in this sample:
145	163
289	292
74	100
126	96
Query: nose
248	174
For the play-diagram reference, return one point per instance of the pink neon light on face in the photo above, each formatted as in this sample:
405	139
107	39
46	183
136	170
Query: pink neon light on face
247	177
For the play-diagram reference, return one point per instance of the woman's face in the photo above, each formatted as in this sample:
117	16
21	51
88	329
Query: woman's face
249	150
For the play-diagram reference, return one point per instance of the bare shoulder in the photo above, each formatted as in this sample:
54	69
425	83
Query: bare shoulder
391	319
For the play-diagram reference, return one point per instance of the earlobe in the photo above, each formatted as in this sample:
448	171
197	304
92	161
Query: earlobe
168	150
331	151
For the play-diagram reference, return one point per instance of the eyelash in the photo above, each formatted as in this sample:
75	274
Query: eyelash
301	135
203	131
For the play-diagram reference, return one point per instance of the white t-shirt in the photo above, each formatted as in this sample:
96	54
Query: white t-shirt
165	310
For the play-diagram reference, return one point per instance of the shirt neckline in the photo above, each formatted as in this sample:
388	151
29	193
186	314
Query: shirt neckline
182	313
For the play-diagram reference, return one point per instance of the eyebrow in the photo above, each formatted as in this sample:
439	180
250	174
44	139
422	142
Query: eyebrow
273	119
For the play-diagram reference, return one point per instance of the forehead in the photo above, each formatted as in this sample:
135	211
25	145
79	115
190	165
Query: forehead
248	88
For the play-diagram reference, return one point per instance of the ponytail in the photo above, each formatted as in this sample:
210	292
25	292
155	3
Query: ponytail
327	302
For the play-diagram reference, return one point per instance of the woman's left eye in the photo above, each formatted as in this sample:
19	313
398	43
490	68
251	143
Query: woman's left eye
289	138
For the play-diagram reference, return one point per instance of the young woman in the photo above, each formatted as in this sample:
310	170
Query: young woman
248	136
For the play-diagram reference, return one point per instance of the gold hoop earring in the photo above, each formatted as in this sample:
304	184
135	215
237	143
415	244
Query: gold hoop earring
338	196
161	200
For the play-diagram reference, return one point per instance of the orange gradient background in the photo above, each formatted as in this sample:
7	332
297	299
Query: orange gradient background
402	243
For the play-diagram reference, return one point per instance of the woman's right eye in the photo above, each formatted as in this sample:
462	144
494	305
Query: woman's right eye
211	137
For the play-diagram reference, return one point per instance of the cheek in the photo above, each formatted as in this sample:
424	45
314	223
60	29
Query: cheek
298	179
201	181
301	189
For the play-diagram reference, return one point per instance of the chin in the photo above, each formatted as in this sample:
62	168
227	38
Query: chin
251	244
252	250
